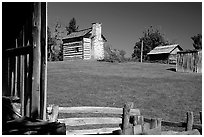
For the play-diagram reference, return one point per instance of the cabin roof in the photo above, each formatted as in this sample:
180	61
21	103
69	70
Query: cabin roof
164	49
190	51
79	33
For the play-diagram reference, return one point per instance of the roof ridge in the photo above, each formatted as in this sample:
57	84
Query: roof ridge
83	29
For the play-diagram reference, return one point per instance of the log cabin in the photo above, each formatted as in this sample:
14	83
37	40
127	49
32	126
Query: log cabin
84	44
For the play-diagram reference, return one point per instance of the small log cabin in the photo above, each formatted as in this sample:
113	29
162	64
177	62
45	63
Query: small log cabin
189	61
164	53
85	44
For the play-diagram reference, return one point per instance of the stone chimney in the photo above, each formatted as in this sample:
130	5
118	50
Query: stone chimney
96	30
97	42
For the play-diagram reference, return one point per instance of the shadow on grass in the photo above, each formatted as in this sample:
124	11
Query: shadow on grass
172	69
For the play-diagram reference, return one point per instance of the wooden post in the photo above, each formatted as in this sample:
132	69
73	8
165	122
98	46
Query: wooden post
28	100
189	121
159	123
200	116
141	52
153	123
22	76
138	124
43	76
54	113
126	117
15	73
36	31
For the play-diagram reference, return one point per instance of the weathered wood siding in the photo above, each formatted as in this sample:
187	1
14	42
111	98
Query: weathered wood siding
190	61
73	50
87	48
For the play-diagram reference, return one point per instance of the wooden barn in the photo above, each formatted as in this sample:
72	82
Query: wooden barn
189	61
164	53
84	44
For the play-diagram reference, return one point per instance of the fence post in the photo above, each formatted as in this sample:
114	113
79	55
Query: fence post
138	121
54	113
153	123
189	123
126	117
200	117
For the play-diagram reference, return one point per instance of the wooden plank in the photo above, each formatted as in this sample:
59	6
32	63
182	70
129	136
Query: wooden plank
103	110
192	132
92	131
189	121
126	117
19	51
90	121
168	123
175	124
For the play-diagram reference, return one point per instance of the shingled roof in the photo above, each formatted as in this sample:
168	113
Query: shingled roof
80	33
164	49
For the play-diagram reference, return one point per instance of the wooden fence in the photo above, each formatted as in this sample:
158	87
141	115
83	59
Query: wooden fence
128	121
26	64
189	61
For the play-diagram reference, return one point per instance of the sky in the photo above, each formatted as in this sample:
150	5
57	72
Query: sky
123	23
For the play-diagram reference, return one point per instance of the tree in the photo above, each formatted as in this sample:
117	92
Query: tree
122	53
197	41
72	26
50	42
151	38
55	47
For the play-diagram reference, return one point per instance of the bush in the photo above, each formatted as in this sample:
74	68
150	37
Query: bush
113	55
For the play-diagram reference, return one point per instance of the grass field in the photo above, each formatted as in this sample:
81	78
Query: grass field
154	88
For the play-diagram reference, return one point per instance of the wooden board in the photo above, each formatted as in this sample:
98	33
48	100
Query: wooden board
90	121
103	110
91	131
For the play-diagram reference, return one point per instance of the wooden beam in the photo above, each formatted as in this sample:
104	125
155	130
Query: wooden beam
43	75
103	110
36	31
192	132
16	73
91	131
90	121
19	51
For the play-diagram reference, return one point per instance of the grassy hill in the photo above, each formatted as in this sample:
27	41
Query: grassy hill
154	88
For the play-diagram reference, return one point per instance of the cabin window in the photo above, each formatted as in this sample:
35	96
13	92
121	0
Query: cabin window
76	49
